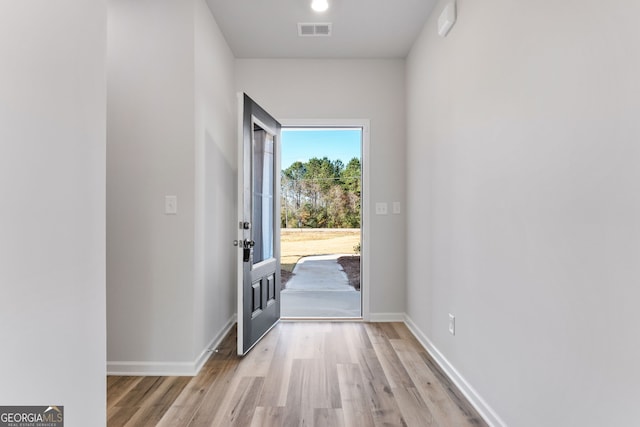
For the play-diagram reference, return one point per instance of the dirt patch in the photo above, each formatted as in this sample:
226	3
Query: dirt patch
351	266
285	275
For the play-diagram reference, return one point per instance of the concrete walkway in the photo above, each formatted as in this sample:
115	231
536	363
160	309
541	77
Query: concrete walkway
319	288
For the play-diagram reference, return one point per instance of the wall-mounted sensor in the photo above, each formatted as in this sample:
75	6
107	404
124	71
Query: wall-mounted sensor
447	18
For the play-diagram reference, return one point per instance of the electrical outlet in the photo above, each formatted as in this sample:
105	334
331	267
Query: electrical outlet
381	208
452	324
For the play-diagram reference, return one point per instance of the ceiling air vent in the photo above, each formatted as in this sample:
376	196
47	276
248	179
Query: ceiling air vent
315	29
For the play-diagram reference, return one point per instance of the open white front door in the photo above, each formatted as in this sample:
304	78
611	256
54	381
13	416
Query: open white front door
258	222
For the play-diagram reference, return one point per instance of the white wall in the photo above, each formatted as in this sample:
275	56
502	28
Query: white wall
350	89
52	168
522	173
150	154
169	119
216	167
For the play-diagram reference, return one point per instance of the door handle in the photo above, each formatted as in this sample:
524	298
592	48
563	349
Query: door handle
246	249
246	243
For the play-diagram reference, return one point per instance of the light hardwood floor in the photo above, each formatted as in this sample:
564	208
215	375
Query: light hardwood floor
301	374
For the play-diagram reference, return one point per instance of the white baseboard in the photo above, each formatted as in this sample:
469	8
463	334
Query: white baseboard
170	369
483	408
159	369
386	317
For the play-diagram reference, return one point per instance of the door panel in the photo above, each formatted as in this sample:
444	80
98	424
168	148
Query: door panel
259	220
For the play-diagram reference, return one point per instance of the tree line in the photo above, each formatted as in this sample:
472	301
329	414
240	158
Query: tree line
321	193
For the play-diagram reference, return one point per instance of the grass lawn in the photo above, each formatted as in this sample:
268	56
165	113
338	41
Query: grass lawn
297	243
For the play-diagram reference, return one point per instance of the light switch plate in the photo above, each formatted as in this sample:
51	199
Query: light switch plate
170	205
396	208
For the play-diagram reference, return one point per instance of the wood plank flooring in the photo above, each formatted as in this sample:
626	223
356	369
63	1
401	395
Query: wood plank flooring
301	374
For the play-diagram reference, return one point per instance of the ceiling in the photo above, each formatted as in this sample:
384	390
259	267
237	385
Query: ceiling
360	28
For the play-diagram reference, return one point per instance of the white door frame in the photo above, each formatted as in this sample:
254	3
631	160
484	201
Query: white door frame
364	227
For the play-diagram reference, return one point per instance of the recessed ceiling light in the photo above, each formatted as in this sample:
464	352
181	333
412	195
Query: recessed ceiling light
319	5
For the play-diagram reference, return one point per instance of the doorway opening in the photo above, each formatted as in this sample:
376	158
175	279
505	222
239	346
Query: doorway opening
322	221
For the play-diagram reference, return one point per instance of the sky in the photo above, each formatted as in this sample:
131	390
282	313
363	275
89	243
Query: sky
336	144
